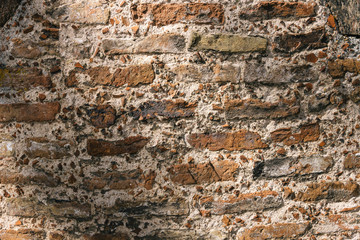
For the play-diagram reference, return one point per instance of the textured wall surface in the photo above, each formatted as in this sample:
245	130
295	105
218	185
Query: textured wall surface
230	119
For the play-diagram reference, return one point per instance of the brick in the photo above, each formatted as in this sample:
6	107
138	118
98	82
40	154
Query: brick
157	43
102	116
23	78
69	209
7	145
352	161
165	14
275	73
278	230
289	43
22	234
346	15
203	172
257	109
332	191
321	101
234	141
134	75
226	169
84	12
308	133
165	109
276	9
99	148
23	112
224	73
123	180
7	10
280	167
30	207
101	236
337	68
28	176
170	207
355	95
227	43
257	201
26	49
176	234
43	148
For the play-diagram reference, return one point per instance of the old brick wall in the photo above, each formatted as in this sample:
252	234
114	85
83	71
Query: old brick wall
230	119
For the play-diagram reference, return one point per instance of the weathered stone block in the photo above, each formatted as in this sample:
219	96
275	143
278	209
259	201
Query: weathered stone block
227	43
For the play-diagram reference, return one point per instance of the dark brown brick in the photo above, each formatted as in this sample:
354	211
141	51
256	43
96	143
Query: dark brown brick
7	10
276	9
308	133
166	109
337	68
100	236
23	112
235	141
275	231
23	78
257	201
130	145
22	234
27	176
26	49
257	109
289	43
352	161
165	14
43	148
332	191
31	207
102	116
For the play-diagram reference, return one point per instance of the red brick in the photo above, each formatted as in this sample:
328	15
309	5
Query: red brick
257	109
308	133
204	172
332	191
241	140
43	148
22	234
23	78
23	112
130	145
166	109
276	9
289	43
165	14
279	230
132	76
